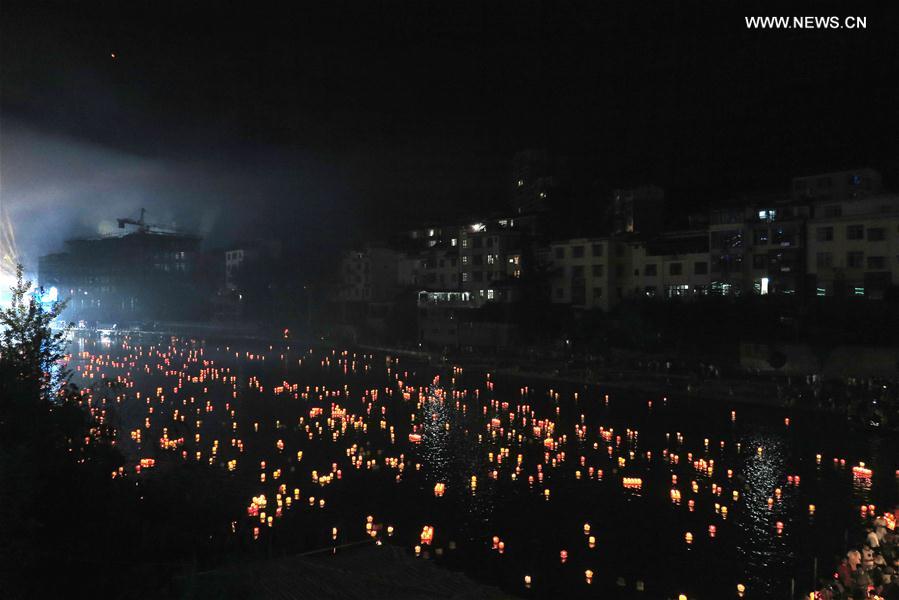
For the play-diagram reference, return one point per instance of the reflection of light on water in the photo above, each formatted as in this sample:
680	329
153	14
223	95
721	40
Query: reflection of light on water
435	441
760	546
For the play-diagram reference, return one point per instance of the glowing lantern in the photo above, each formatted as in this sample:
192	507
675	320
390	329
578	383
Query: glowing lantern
427	535
588	575
688	537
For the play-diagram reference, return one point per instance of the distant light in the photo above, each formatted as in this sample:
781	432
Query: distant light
764	285
51	295
112	55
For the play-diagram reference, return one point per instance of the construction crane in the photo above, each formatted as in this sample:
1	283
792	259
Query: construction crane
139	223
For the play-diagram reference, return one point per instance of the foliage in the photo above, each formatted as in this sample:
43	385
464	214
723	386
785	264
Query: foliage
30	350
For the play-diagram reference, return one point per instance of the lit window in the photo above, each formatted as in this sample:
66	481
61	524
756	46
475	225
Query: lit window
453	242
490	294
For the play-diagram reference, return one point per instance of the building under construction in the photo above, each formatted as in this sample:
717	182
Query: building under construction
144	274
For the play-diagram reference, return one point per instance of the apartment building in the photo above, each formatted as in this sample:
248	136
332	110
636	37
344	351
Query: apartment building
589	273
673	265
853	247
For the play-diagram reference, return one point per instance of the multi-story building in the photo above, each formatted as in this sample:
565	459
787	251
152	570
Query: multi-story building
589	273
757	245
490	260
853	246
638	210
374	274
672	265
142	275
239	255
837	186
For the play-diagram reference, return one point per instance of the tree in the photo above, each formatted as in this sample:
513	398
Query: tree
30	351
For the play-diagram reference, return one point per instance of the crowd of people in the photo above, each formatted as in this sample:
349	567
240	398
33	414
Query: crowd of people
870	569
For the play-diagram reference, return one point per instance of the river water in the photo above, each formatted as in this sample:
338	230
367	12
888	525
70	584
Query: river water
548	459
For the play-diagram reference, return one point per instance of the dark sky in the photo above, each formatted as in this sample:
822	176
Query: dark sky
327	121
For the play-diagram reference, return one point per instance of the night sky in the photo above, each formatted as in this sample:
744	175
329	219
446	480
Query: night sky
331	122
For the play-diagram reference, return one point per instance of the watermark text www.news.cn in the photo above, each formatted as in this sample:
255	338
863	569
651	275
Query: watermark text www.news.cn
808	22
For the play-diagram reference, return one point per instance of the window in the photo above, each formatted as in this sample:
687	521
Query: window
479	276
855	260
651	270
785	236
491	259
597	293
466	276
577	251
759	261
598	270
876	234
619	250
559	293
619	270
453	242
490	294
855	232
725	240
877	262
760	236
597	249
700	268
824	234
577	271
465	242
560	252
478	242
649	291
824	260
490	242
767	215
466	259
833	211
677	290
477	259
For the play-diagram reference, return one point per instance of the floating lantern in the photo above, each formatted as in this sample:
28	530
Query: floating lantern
427	535
588	575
